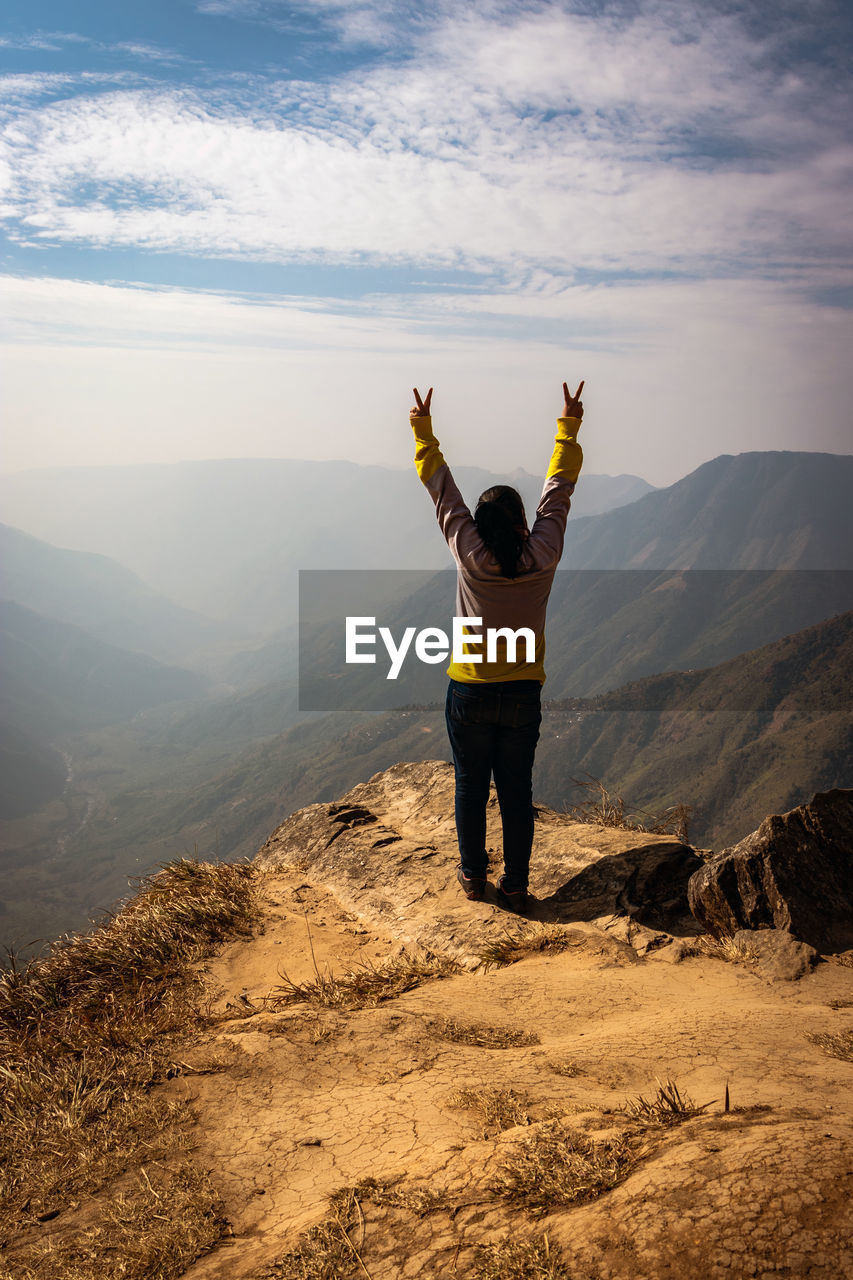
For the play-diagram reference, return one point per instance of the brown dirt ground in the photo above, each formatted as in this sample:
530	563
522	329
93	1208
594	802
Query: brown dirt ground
312	1100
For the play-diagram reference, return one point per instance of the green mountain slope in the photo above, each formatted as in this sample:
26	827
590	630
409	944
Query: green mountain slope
609	627
605	627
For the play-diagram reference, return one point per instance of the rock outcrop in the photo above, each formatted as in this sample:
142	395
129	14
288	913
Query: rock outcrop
775	954
794	873
387	851
318	1091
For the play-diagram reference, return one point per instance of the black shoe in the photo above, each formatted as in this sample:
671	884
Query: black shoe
474	888
513	899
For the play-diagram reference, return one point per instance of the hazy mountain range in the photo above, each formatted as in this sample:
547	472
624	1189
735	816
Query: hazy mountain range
58	680
226	538
97	593
750	511
756	734
738	554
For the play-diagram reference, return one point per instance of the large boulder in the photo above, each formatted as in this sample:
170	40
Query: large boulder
387	851
775	954
794	873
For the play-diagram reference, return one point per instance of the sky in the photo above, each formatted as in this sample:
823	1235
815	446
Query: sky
246	228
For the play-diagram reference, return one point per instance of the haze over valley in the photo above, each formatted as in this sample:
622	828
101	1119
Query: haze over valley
135	728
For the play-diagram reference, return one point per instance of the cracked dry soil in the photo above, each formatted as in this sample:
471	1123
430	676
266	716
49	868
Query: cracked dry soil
312	1100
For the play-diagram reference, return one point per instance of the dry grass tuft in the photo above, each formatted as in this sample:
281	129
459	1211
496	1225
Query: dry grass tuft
512	947
86	1031
154	1232
482	1036
178	915
602	809
416	1199
667	1107
569	1069
556	1166
331	1250
837	1046
325	1251
722	949
519	1260
498	1109
361	987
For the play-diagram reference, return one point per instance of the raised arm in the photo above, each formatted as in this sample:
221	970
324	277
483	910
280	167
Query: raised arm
567	457
545	543
453	515
428	455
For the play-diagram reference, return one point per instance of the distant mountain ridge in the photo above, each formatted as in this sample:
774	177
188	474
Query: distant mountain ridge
757	734
769	510
58	679
95	592
226	537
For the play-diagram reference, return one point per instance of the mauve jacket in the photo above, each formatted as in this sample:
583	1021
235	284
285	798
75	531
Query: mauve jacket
481	589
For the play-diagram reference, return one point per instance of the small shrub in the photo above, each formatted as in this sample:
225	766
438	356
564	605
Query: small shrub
556	1166
483	1036
519	1260
498	1109
512	947
323	1252
153	1233
837	1046
667	1107
569	1069
328	1251
598	807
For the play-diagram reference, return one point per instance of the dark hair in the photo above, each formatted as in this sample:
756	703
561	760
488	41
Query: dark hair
499	517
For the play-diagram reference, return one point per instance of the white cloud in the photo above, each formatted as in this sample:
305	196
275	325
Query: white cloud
358	22
147	52
41	40
550	138
534	145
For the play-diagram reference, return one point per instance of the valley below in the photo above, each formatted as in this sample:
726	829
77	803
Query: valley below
228	723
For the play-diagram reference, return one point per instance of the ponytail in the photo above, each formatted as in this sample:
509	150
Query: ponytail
498	516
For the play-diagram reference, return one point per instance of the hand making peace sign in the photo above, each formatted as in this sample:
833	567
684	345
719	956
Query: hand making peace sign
572	407
421	409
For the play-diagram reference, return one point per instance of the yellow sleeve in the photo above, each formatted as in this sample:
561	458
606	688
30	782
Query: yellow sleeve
428	456
567	458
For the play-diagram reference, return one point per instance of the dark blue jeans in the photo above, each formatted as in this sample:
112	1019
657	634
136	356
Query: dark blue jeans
493	729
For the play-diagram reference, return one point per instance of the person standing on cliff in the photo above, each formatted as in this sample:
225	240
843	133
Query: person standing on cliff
504	575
